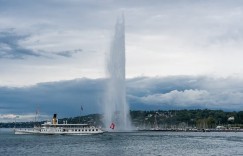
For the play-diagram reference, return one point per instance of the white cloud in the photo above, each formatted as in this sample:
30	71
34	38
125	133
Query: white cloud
180	98
187	92
162	37
172	92
196	99
22	118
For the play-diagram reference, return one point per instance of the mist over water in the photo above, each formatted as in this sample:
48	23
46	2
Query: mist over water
116	108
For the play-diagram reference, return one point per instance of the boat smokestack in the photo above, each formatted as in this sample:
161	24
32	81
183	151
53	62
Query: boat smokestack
54	119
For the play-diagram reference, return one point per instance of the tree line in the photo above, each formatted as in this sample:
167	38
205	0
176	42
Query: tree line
159	118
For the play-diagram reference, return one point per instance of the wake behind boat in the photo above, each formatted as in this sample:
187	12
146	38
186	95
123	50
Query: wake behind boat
51	128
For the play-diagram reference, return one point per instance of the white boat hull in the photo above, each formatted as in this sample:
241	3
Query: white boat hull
54	132
26	131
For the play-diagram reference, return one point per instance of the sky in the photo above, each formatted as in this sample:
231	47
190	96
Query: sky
179	54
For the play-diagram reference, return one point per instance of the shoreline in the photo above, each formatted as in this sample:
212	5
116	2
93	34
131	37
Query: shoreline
186	130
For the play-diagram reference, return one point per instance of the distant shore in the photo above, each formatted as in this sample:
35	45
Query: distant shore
197	120
184	130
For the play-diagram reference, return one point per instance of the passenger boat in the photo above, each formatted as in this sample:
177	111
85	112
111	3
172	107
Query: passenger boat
51	128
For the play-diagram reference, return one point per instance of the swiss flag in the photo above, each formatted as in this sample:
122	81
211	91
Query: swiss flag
112	126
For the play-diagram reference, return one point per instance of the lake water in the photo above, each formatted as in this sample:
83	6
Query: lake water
121	144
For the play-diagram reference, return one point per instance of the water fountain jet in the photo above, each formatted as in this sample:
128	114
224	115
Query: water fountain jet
116	113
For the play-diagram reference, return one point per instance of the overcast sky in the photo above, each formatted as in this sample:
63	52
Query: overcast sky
52	40
56	40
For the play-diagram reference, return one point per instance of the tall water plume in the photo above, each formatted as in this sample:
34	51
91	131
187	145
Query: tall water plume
116	107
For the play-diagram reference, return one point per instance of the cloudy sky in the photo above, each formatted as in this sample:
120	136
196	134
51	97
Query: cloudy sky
179	54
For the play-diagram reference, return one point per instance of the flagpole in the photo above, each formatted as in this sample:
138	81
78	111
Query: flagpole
81	109
80	116
15	123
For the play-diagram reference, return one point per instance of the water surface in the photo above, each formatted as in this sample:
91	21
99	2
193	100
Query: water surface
119	144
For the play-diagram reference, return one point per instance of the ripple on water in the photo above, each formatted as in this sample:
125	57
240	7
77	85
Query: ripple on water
119	144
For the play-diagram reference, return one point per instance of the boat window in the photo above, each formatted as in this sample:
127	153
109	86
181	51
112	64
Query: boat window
96	129
92	129
86	130
89	129
82	130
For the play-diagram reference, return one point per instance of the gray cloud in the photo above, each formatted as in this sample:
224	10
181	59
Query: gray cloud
186	92
63	97
11	48
192	33
168	37
177	92
68	53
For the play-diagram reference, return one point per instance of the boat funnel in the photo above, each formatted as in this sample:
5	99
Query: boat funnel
54	119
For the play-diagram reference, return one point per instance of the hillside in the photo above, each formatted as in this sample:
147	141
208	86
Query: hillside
160	118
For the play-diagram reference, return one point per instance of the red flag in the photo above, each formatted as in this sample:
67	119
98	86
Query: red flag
112	126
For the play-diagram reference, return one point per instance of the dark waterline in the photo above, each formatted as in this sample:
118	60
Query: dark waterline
119	144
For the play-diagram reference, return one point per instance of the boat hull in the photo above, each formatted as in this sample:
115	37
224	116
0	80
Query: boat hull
34	131
26	131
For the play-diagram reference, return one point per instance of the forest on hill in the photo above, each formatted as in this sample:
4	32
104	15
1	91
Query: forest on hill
161	118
